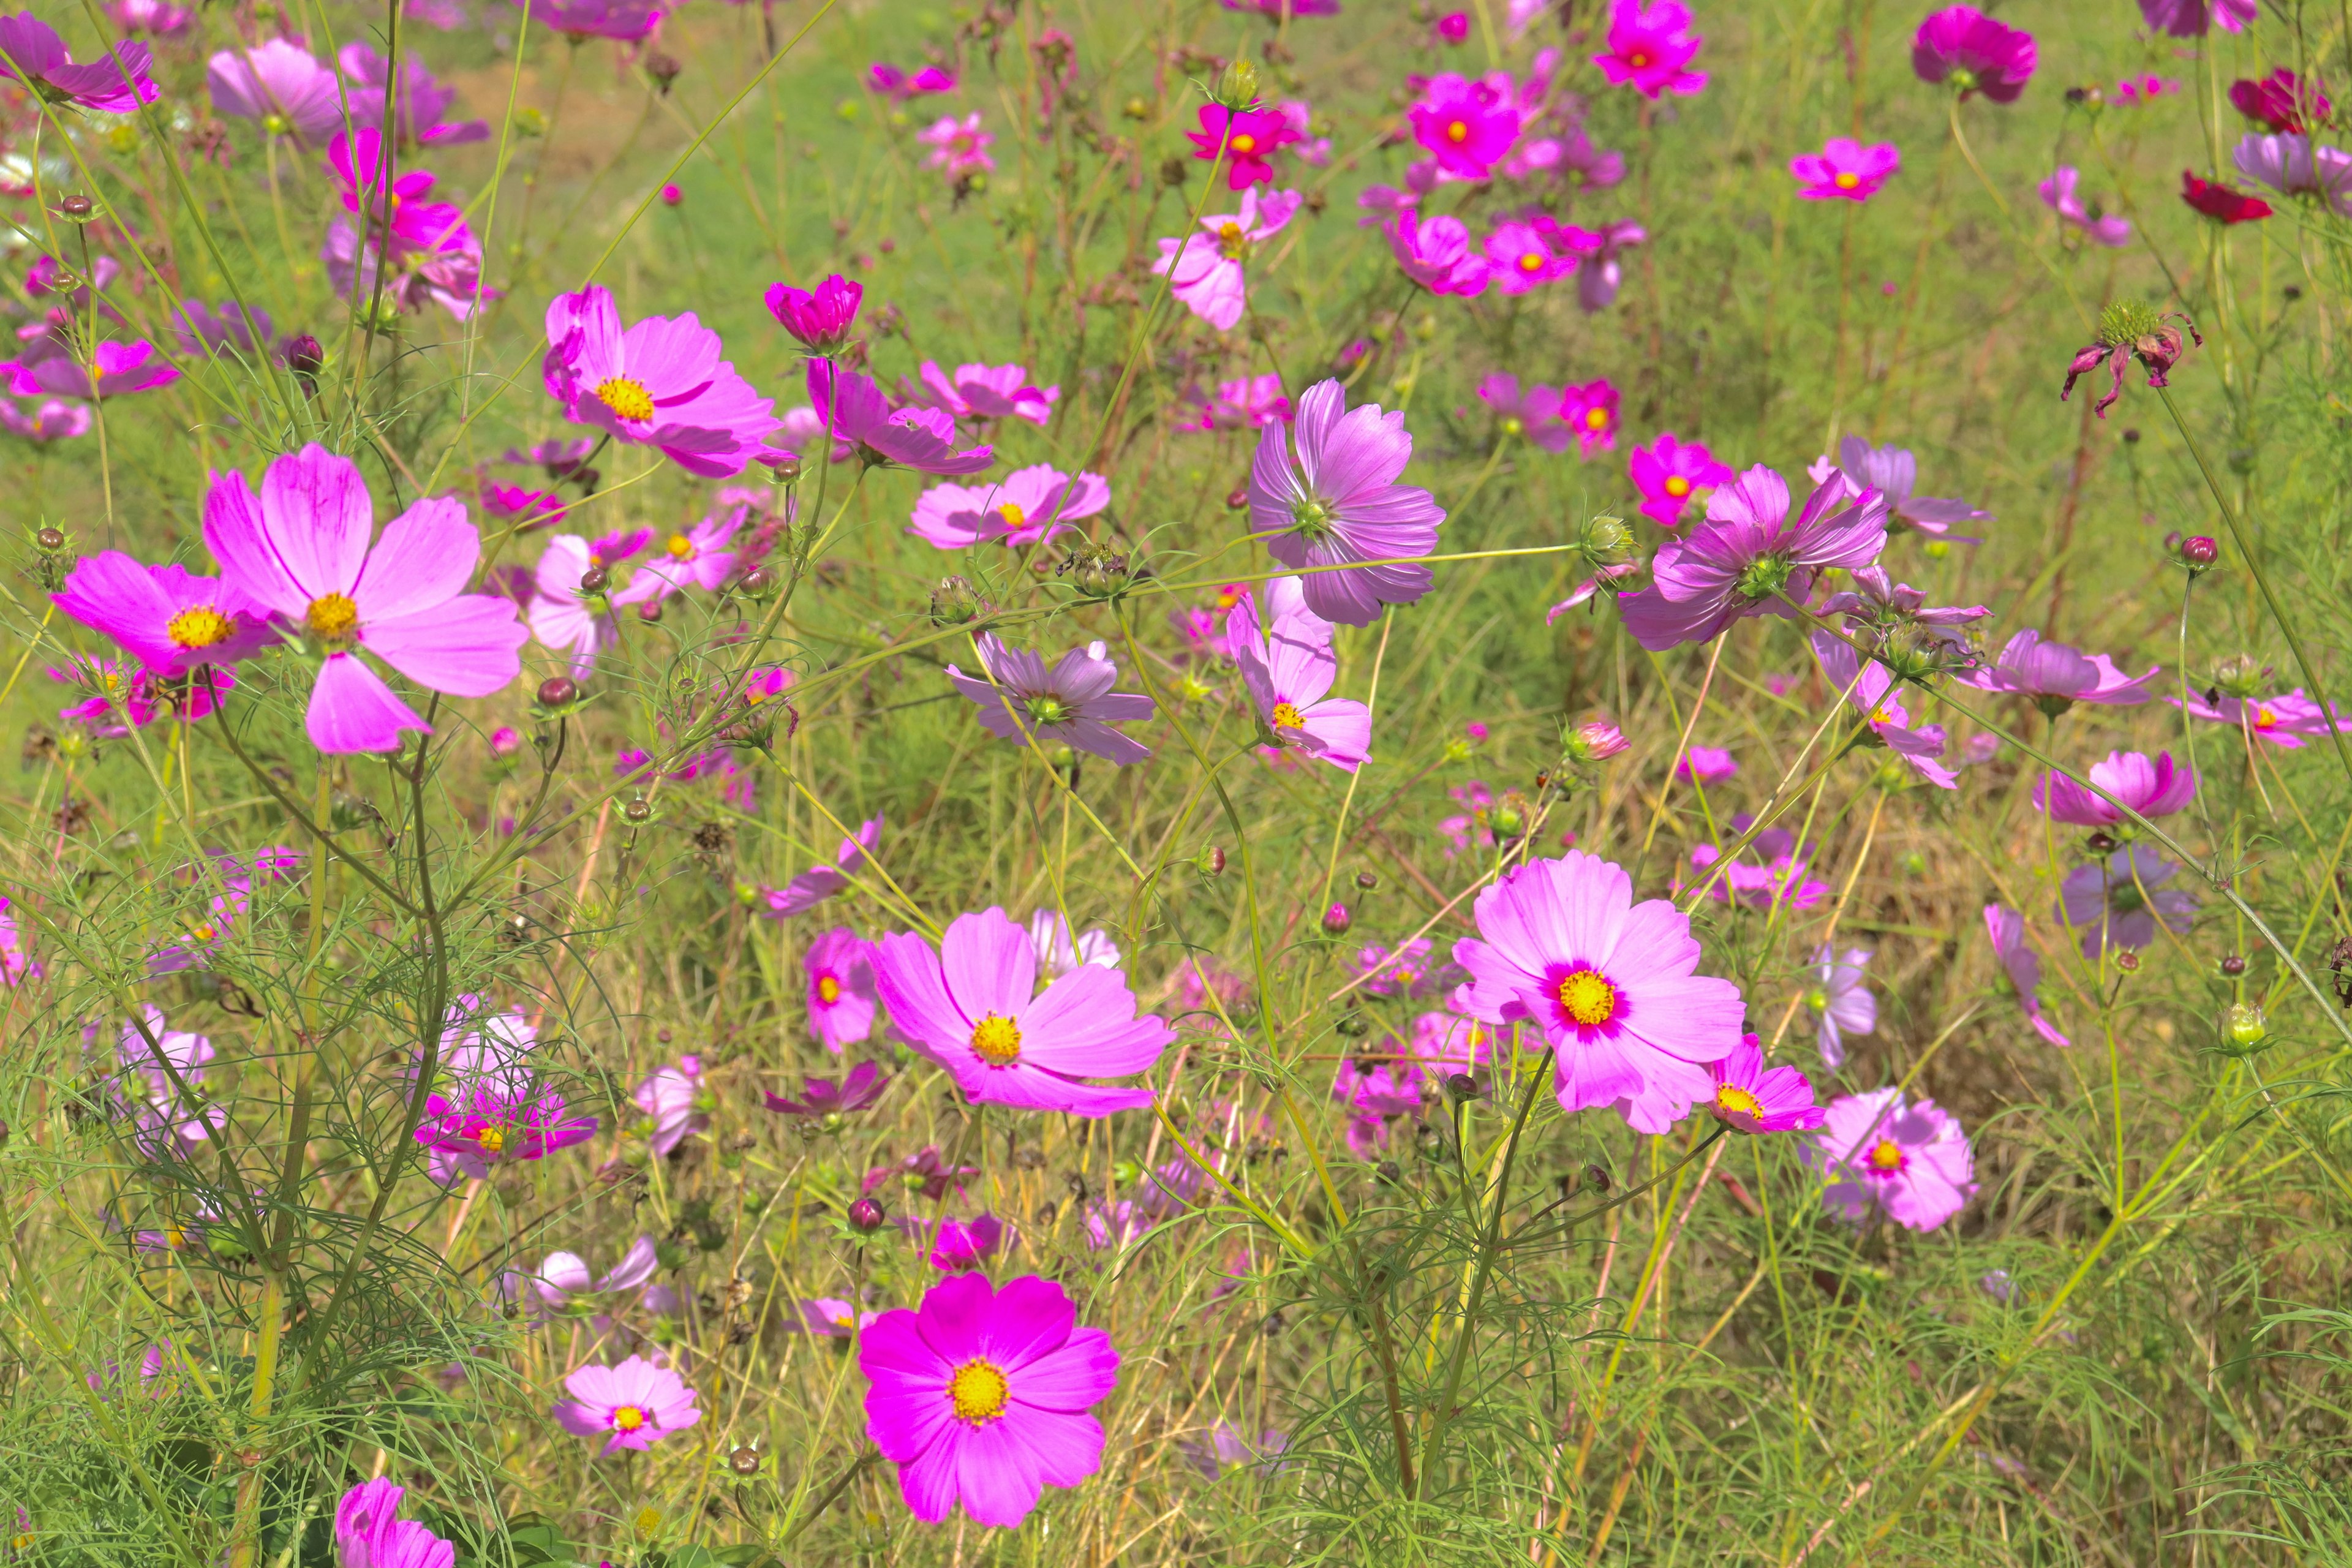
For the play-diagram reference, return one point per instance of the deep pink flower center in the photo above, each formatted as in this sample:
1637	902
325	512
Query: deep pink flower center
1587	999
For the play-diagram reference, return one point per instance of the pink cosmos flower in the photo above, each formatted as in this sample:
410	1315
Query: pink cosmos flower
16	962
299	551
830	1316
637	1403
418	100
1309	148
124	697
1339	505
562	616
1050	934
157	16
2007	927
899	86
529	509
1027	506
370	1533
822	1099
1894	472
956	1248
1406	972
1845	169
31	52
564	1275
700	557
2117	903
2284	721
2282	102
1590	409
1841	997
924	1173
1518	260
1279	10
1752	1097
1250	404
1780	880
2145	89
660	384
1910	1159
1467	126
1610	985
498	1122
1284	652
1651	48
1751	558
2058	194
1533	414
1877	695
841	1001
1072	703
678	1102
974	1007
166	617
1599	271
820	321
958	147
1250	138
2293	166
1707	766
1669	471
855	410
114	370
281	86
1974	53
980	1396
818	883
1206	271
202	330
1438	254
423	247
625	21
52	421
2191	18
2056	676
984	392
2151	789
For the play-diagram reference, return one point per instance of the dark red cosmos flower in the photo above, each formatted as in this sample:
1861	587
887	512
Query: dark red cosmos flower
2219	201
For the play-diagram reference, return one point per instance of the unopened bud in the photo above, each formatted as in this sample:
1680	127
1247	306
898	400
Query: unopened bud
77	209
51	540
1336	920
2198	553
955	603
2099	843
743	1460
866	1217
2233	966
1596	1176
650	611
639	810
594	580
2127	961
558	690
1462	1086
1237	499
662	68
1210	861
1353	1025
1238	87
1367	880
2244	1026
1593	743
759	582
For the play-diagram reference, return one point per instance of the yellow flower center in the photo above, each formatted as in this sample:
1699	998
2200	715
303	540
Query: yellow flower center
979	1392
998	1040
1730	1100
1012	515
1245	143
1285	715
176	1237
1818	1000
680	546
1887	1154
200	627
1458	132
1639	59
1531	261
628	1419
1677	486
2265	719
1227	597
627	399
492	1139
332	617
202	933
1879	715
1846	179
1588	999
828	989
1512	425
1231	243
1596	419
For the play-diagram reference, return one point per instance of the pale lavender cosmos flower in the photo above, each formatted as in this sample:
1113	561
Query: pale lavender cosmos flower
563	616
418	101
955	1247
1894	472
1339	505
1226	1450
1206	270
829	1316
2007	927
635	1404
1750	558
1072	703
18	964
699	557
2119	903
1876	606
1438	255
31	52
53	420
1116	1226
299	550
1057	955
280	86
1534	413
2058	194
1283	651
159	1086
982	392
818	883
1876	696
919	438
1598	270
2293	166
1841	996
2149	789
825	1101
1025	507
2284	721
1780	878
204	331
1911	1159
677	1101
2056	676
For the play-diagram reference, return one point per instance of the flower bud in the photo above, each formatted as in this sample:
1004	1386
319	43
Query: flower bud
1461	1086
2233	966
2198	553
650	611
52	540
594	580
639	811
1596	1176
1592	742
1367	880
1336	920
819	320
2127	961
1211	862
867	1216
757	583
77	209
955	603
743	1459
670	194
2244	1028
1237	499
505	743
663	70
557	691
1238	87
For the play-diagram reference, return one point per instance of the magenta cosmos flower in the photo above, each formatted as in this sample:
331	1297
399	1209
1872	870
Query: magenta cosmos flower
984	392
1912	1161
635	1404
1846	169
370	1533
2150	789
31	52
156	16
1206	270
660	384
1751	558
1438	255
1250	404
425	248
1520	259
625	21
2055	676
823	1100
958	147
953	1246
1249	139
1610	983
897	85
166	617
1027	506
497	1121
818	883
1338	505
1669	471
675	1102
2193	18
114	369
974	1007
1875	694
1283	651
1072	703
1590	409
281	87
418	100
1467	126
2281	102
819	321
299	551
2007	927
1599	271
1651	48
2111	229
697	557
855	410
1533	413
1974	53
52	421
841	1001
980	1396
1752	1097
2284	721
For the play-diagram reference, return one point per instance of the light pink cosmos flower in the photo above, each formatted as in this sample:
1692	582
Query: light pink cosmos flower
634	1405
1250	404
1518	260
1308	147
2150	789
830	1316
370	1533
1072	703
1875	694
700	557
2293	166
1910	1159
878	436
166	617
1707	766
1976	54
1206	270
1050	934
1842	997
124	697
954	1247
298	550
1610	984
1467	126
677	1101
1669	471
2007	927
1284	652
972	1005
1845	169
2191	18
562	616
2110	229
53	420
2284	721
984	392
1779	880
1590	409
625	21
2056	676
1752	1097
1339	504
157	16
114	369
1750	557
280	85
1651	48
841	997
496	1122
1894	472
958	147
1533	414
818	883
661	384
1406	972
1438	255
1027	506
978	1395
